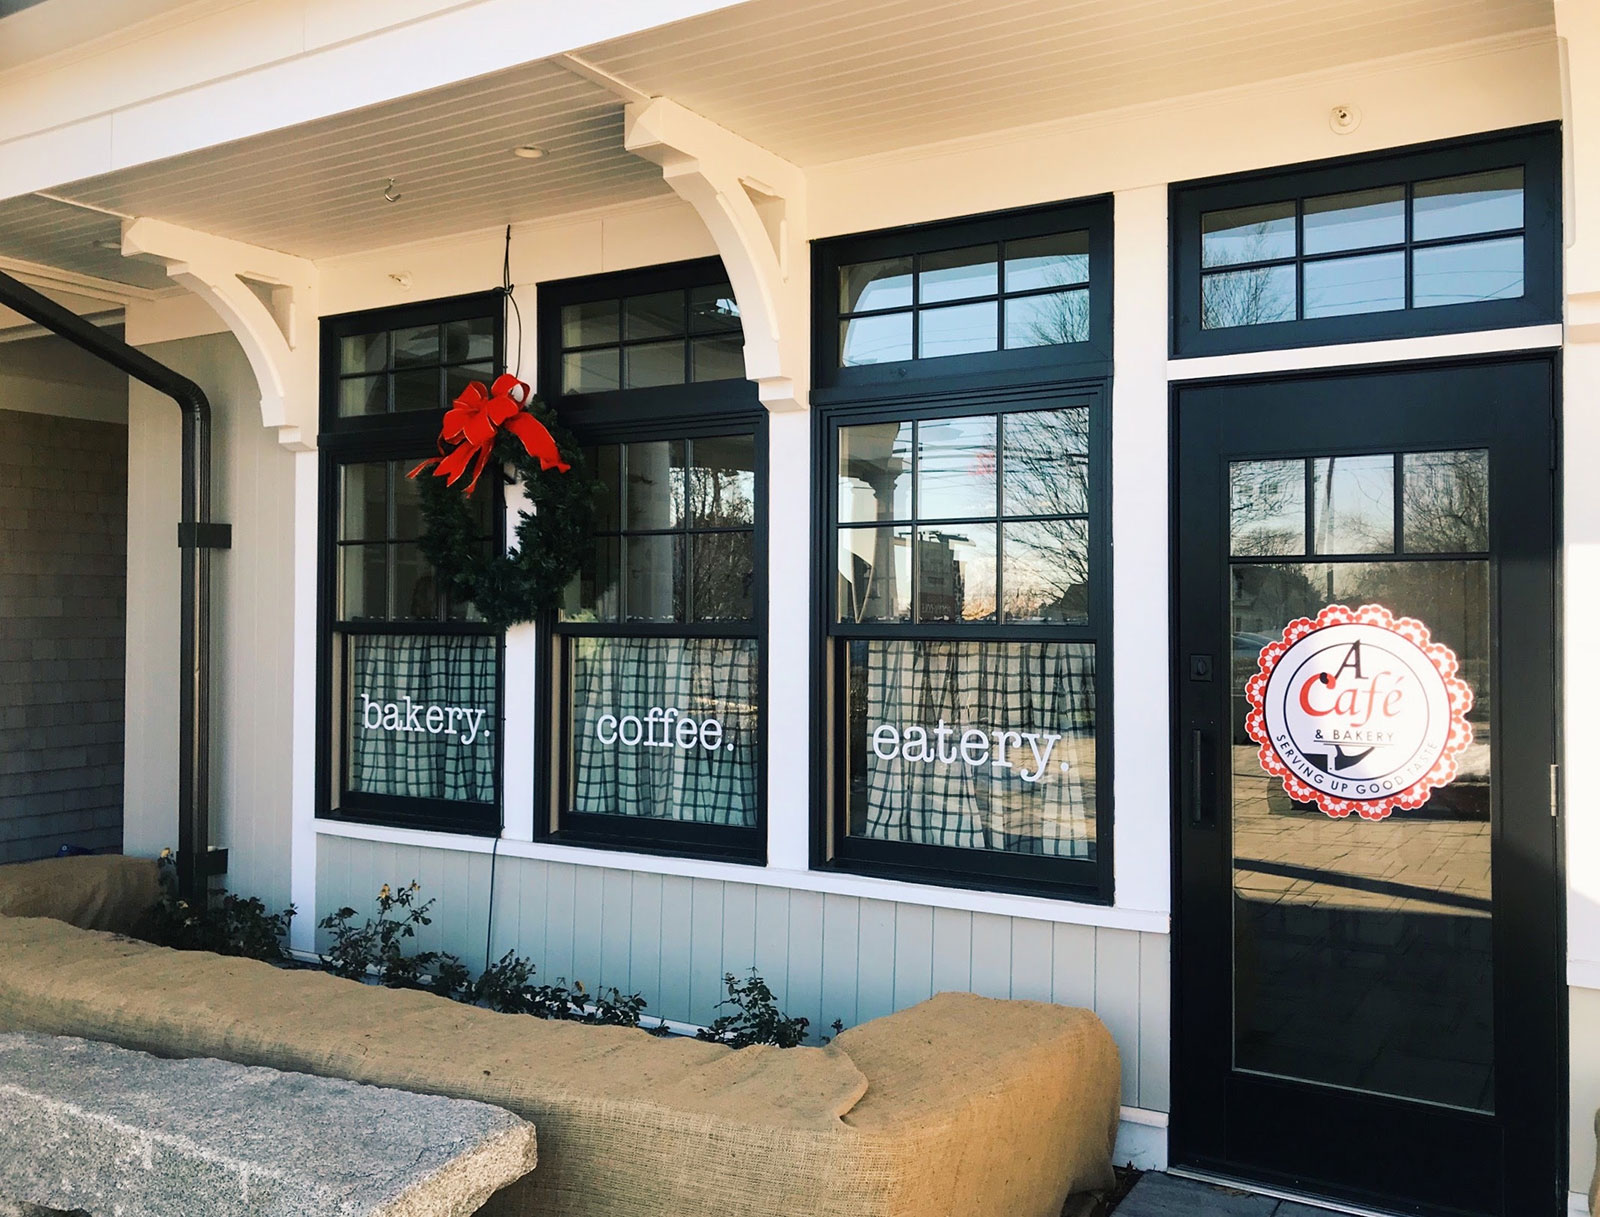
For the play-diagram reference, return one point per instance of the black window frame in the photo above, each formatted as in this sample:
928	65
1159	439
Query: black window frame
980	371
1001	382
700	409
1535	149
404	436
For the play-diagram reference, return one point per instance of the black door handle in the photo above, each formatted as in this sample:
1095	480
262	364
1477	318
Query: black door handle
1200	811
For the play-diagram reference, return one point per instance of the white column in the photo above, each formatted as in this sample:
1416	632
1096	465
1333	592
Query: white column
1139	592
789	659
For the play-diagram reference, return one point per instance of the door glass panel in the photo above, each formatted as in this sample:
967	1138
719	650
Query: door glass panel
1446	502
1267	513
1362	947
1352	504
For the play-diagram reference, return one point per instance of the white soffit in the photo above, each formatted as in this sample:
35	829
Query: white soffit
316	190
826	80
814	81
48	232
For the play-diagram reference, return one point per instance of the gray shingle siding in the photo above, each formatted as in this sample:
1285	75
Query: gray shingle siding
63	579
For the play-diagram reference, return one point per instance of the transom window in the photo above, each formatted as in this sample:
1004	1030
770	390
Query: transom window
413	367
1004	295
1022	297
1455	237
652	339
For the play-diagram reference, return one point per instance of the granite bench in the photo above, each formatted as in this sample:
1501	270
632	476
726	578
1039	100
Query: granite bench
91	1127
961	1106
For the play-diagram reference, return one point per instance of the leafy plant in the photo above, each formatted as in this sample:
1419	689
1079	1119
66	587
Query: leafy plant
755	1017
223	923
377	947
507	986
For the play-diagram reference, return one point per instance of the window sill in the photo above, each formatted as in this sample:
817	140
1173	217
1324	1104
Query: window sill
834	883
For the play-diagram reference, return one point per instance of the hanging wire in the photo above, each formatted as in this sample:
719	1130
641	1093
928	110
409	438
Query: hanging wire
510	307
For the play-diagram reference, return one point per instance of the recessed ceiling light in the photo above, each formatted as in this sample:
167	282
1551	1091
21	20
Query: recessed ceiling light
527	152
113	246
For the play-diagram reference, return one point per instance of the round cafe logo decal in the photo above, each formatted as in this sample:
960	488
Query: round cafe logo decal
1359	711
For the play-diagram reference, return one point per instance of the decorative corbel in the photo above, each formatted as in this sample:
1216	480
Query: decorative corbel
753	203
269	302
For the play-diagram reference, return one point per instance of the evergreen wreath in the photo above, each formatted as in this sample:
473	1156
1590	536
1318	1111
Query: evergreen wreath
552	540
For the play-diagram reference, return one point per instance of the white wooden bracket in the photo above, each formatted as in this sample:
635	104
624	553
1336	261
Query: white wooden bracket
266	298
754	203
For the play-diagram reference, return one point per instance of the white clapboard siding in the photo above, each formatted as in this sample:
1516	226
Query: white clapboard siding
826	957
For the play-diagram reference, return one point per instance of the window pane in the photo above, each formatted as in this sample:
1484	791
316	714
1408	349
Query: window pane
606	464
874	574
722	481
956	468
655	363
364	491
867	340
590	371
713	310
958	274
364	353
659	315
719	358
422	716
1358	220
1059	260
1247	297
595	594
1446	502
408	501
415	594
1046	573
980	745
1267	508
420	390
1047	462
1465	274
363	395
457	379
956	573
665	728
1352	504
959	329
472	339
589	324
1374	283
875	285
655	484
363	582
724	575
1474	202
417	345
1047	320
1247	234
875	472
654	572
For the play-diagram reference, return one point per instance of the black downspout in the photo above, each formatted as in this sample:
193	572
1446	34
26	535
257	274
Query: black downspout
197	536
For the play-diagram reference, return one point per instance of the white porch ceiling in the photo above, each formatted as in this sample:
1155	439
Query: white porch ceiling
814	81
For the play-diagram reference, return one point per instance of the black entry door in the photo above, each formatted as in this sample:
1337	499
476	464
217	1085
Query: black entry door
1367	997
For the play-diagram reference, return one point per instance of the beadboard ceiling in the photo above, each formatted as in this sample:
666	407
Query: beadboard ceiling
813	80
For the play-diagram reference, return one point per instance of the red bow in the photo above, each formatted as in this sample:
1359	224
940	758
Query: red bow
473	423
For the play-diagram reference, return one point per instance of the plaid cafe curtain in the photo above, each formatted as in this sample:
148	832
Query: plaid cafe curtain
702	678
1042	689
408	760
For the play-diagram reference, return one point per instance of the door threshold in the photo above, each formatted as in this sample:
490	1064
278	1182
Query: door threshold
1261	1189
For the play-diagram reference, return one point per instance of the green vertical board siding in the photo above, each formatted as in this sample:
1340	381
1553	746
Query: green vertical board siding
1116	999
803	965
991	955
875	946
771	952
677	933
1032	959
913	955
617	930
1072	970
705	964
1155	1014
952	951
841	936
644	944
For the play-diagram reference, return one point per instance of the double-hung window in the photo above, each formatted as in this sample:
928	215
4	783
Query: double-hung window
410	678
657	672
964	554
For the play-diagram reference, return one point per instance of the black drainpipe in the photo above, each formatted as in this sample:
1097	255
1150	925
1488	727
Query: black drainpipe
197	537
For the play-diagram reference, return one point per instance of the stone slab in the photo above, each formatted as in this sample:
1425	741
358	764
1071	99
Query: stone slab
90	1126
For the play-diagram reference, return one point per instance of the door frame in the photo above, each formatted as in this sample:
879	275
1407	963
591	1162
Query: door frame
1181	1119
